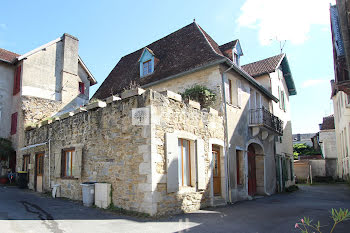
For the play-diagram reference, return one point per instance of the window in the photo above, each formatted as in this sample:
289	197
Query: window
26	161
67	163
147	67
81	88
236	58
184	162
17	80
39	164
239	167
14	123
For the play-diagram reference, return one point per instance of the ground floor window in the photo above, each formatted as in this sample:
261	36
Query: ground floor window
184	161
26	161
67	163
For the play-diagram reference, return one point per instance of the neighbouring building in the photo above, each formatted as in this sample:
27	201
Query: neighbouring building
341	85
275	75
45	82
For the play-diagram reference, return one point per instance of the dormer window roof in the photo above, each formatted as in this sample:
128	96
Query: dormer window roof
146	62
232	50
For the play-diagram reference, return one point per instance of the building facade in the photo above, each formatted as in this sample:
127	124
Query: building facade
341	84
42	83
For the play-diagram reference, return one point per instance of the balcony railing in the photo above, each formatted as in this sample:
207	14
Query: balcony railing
262	117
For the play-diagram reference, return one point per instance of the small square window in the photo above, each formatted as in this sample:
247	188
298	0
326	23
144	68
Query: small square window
81	88
147	67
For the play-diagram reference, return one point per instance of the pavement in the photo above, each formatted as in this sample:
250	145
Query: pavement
27	211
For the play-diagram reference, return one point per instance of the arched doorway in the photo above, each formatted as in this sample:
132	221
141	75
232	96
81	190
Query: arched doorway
255	170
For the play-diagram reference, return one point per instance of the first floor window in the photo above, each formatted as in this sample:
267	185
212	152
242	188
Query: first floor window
184	158
67	162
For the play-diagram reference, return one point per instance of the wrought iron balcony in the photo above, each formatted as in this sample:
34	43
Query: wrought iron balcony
262	117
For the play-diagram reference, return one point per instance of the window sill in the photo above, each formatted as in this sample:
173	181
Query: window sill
186	189
69	178
145	76
234	106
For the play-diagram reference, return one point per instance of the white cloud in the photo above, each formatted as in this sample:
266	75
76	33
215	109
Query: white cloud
314	82
284	19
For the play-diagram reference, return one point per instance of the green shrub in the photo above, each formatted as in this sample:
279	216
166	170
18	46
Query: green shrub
201	94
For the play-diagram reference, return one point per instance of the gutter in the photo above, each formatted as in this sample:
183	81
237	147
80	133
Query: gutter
32	146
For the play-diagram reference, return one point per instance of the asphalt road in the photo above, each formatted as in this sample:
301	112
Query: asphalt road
26	211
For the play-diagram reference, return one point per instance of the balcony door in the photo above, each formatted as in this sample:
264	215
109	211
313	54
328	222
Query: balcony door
251	171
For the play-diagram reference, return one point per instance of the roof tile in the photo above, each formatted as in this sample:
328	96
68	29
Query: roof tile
264	66
7	56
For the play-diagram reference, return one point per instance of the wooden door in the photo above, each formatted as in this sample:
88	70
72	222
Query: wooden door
251	174
39	170
216	171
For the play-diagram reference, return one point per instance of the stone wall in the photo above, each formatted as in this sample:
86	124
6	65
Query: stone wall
114	150
36	109
176	117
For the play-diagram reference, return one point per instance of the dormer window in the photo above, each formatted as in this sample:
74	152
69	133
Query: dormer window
146	62
147	67
235	58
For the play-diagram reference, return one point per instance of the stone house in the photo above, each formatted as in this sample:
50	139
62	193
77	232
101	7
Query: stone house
244	162
133	143
341	85
275	75
42	83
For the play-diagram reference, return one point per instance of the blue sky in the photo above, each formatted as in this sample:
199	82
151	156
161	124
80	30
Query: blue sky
108	30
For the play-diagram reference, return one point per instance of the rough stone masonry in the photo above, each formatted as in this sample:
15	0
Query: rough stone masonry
134	158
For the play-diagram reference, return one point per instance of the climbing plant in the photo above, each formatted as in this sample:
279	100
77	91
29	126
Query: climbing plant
201	94
6	148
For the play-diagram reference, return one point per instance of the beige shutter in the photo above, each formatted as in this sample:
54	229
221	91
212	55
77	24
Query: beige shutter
172	162
57	164
227	90
77	160
201	164
239	93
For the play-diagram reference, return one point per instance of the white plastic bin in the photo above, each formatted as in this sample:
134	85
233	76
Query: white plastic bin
88	189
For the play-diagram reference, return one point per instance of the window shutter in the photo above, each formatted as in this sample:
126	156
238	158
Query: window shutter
239	93
14	123
77	160
17	80
201	164
172	162
58	164
227	90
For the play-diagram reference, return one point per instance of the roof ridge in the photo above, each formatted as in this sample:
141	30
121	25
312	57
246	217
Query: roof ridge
205	37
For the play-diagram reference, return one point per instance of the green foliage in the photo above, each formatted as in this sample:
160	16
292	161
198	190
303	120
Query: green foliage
303	149
201	94
292	188
338	216
6	147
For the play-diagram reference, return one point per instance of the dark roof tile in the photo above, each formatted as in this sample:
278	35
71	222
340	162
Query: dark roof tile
328	123
7	55
264	66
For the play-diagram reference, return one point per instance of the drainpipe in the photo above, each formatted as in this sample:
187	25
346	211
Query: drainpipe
226	141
